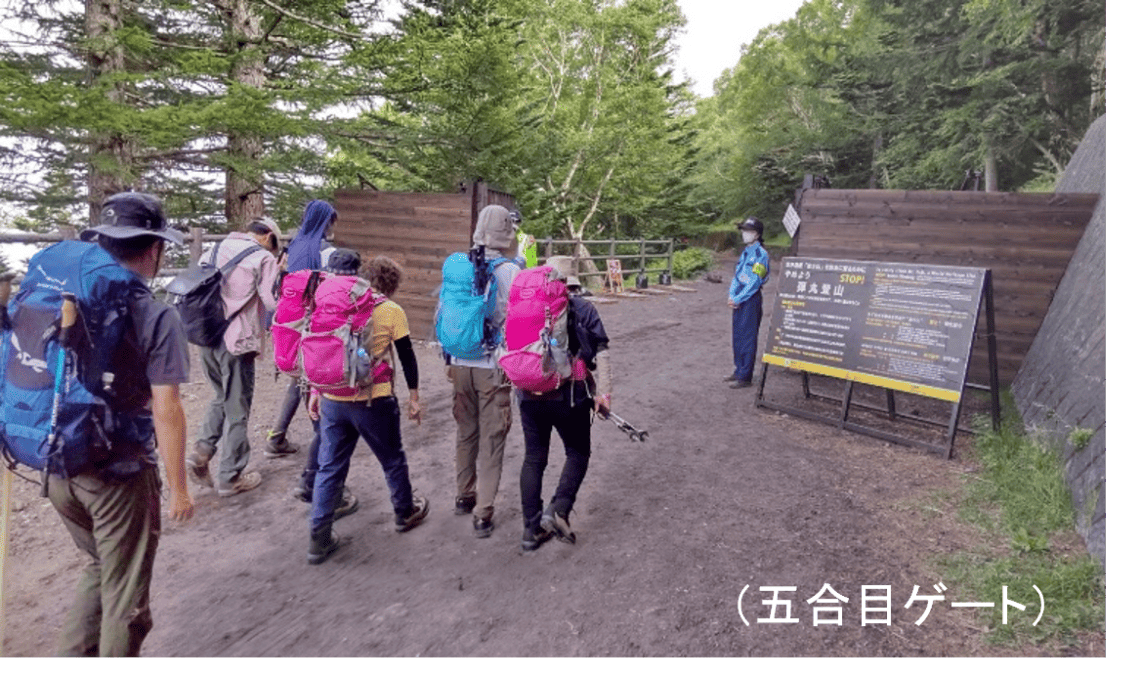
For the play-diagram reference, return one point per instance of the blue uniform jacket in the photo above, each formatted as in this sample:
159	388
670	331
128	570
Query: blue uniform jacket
752	272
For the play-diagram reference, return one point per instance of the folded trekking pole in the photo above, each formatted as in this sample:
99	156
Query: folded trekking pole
67	318
630	430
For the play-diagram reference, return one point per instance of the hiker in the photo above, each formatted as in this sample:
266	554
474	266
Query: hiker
345	262
481	395
309	250
566	410
112	508
372	414
745	298
247	296
528	249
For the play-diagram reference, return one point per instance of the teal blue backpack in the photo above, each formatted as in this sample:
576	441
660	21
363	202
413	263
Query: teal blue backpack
467	302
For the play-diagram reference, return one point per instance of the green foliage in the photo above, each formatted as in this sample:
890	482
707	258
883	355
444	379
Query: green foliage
1079	438
689	262
1020	497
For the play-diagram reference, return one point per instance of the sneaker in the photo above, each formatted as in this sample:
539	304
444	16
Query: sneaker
349	504
277	446
245	483
533	539
557	524
198	467
741	384
321	546
419	512
732	377
483	527
464	505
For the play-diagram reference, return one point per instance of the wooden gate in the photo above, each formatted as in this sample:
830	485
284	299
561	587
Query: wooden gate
417	230
1026	240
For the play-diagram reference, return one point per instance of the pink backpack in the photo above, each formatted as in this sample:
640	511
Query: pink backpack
322	330
535	332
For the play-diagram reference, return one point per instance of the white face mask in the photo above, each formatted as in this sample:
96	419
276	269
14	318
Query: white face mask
748	236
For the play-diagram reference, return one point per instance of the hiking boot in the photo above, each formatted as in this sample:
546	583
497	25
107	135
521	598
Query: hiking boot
324	544
741	384
277	446
349	504
198	466
483	527
245	483
533	539
415	517
557	524
732	377
464	505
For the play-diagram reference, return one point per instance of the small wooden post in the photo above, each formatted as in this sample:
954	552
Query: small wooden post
195	246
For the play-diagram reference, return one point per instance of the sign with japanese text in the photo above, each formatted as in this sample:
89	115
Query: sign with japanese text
614	272
902	326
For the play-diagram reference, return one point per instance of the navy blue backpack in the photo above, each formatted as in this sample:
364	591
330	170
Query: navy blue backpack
62	406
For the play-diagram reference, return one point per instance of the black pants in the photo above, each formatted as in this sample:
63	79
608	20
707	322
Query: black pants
538	418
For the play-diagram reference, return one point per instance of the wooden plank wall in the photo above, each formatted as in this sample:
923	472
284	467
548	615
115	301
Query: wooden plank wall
417	230
1025	239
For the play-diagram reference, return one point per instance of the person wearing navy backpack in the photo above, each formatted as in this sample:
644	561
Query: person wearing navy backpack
481	394
112	510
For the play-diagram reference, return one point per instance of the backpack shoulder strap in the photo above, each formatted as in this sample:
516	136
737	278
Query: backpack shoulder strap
233	262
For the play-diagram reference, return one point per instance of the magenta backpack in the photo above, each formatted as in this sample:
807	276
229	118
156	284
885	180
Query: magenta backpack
322	331
535	332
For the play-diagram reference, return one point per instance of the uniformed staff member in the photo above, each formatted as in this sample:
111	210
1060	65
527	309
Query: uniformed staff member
745	298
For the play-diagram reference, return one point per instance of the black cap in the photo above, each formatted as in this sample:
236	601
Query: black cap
751	223
132	214
344	261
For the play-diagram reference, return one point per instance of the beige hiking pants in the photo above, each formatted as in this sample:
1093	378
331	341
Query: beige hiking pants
481	406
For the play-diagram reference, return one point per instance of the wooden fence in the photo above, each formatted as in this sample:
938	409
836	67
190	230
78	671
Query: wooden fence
1026	240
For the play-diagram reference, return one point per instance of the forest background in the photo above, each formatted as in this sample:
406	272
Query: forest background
231	109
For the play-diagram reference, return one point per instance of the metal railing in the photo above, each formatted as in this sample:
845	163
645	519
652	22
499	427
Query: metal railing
195	242
647	250
658	249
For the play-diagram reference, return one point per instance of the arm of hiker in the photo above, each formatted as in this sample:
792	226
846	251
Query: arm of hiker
267	281
170	436
602	378
313	405
411	375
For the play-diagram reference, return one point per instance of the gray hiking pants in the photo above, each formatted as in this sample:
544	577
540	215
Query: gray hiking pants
228	415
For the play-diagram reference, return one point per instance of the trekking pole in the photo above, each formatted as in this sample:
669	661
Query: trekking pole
630	430
5	474
66	321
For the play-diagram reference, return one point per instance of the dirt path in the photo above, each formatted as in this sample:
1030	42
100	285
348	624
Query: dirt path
722	496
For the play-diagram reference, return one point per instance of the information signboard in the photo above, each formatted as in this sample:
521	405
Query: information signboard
906	327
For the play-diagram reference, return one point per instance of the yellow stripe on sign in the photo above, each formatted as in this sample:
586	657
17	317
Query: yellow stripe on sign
949	395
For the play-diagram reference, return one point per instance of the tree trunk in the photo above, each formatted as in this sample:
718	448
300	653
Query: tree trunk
991	170
111	154
245	182
877	148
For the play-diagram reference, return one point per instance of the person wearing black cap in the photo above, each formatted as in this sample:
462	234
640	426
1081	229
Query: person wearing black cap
114	513
342	262
745	298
